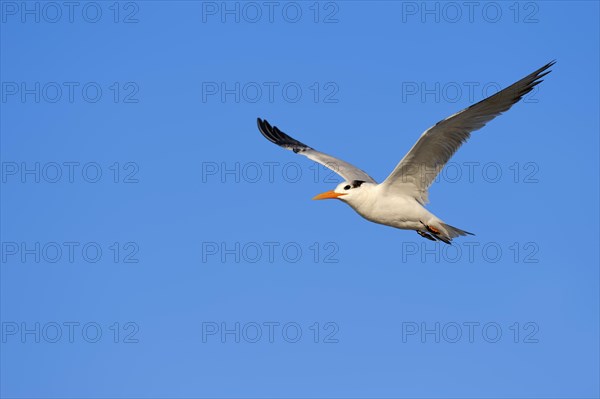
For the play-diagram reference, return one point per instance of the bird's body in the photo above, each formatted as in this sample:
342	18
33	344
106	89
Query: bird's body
400	211
399	201
373	203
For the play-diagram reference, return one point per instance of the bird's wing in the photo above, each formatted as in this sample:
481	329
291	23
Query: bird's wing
420	166
342	168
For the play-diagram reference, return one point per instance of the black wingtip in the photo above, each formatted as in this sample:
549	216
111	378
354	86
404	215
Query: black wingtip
526	85
261	124
543	71
266	130
274	135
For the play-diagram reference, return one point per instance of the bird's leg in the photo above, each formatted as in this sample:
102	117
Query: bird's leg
436	232
425	235
431	229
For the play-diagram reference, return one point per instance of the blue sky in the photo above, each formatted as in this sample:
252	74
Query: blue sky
155	245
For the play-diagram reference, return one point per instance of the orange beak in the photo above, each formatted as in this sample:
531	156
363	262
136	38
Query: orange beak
328	195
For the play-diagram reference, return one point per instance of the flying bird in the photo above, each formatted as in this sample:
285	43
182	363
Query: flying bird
399	201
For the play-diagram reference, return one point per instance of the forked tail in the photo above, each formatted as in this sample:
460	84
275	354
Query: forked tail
445	234
455	231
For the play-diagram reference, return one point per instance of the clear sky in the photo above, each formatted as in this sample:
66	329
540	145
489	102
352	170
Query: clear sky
154	244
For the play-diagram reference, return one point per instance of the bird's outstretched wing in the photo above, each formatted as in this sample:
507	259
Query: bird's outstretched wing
342	168
420	166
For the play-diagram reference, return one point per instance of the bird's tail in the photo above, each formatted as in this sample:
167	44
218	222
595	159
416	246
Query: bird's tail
441	231
453	232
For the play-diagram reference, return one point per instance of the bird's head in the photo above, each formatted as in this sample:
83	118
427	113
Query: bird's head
346	191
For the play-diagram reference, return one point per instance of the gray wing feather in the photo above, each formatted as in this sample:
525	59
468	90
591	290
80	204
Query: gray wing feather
342	168
417	170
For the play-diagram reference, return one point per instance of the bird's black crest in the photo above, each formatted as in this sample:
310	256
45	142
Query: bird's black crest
356	183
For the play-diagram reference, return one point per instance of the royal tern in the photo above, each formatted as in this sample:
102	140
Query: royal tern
400	199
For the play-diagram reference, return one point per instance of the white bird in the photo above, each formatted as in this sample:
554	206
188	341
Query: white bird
399	200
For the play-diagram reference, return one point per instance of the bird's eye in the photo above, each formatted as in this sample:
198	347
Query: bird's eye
347	187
